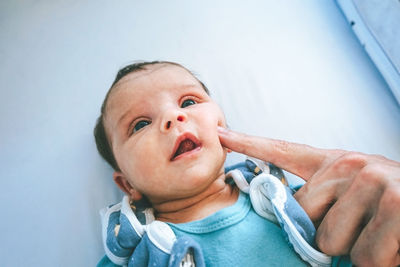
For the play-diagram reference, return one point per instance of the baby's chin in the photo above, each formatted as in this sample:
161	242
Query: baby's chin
205	176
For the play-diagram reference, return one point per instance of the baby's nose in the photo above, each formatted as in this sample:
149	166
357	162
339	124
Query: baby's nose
171	118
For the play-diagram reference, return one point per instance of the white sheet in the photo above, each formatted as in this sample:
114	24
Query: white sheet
286	69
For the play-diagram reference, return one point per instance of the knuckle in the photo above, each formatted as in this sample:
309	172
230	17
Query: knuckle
349	162
390	201
363	258
322	243
371	175
359	260
326	247
353	159
326	244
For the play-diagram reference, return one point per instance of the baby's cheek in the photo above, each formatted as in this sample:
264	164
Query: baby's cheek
137	160
221	121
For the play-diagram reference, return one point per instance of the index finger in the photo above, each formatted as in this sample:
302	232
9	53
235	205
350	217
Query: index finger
301	160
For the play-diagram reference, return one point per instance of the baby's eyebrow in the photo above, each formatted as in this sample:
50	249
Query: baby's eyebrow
126	114
190	86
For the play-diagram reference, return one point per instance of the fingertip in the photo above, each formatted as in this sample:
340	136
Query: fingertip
222	130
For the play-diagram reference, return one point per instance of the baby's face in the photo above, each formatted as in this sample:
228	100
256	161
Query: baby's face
163	131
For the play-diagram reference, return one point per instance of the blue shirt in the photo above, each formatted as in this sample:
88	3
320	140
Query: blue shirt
238	236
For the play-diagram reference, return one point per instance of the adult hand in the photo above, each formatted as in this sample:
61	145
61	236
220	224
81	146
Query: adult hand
352	198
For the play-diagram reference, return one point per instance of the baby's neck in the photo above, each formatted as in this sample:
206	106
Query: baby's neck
218	196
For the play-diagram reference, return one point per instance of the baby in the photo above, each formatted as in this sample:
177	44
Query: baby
158	130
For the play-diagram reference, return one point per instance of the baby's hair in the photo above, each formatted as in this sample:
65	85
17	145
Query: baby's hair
100	135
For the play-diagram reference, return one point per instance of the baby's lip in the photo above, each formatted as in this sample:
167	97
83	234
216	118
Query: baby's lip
184	137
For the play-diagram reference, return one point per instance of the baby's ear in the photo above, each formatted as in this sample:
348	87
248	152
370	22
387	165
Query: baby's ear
124	185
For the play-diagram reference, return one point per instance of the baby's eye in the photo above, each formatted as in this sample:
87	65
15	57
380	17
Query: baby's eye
140	125
188	102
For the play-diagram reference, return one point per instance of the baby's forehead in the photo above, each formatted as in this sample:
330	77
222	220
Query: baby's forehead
149	81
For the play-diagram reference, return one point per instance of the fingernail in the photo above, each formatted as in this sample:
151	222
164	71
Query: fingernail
222	130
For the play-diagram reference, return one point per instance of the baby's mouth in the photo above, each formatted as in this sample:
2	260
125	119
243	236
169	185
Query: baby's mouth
185	143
